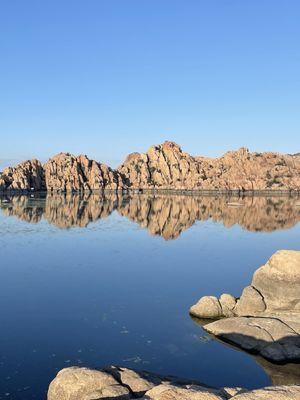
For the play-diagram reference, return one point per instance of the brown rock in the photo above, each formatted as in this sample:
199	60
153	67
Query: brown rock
26	176
166	166
207	307
65	172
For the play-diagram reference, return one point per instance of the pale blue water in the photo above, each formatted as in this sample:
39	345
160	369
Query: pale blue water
111	293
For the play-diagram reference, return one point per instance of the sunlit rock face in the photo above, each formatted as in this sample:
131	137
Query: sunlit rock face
266	318
67	173
166	166
163	215
27	176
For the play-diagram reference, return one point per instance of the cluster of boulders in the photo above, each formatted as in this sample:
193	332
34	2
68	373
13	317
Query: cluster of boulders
29	175
164	167
163	215
266	318
167	167
123	384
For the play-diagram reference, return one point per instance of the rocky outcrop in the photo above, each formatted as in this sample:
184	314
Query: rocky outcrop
168	167
163	167
163	215
26	176
67	173
122	384
266	318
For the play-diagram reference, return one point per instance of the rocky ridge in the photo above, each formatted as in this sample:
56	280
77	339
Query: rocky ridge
265	320
163	167
123	384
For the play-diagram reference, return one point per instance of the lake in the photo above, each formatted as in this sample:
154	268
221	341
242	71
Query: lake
98	280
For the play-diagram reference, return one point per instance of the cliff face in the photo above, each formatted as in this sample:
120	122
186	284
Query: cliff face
164	166
167	167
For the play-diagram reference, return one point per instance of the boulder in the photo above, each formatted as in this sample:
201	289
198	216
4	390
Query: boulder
207	307
270	337
279	281
271	393
85	384
250	303
189	392
121	383
266	319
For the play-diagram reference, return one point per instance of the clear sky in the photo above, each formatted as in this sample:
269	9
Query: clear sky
108	77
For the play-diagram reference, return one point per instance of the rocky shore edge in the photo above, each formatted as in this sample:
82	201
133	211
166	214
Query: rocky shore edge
163	167
123	384
265	321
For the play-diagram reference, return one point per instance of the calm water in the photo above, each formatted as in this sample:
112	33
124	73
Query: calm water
93	281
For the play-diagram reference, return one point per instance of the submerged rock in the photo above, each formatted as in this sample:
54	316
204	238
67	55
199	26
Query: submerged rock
266	319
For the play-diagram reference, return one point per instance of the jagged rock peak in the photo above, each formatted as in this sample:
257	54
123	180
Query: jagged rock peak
165	166
66	172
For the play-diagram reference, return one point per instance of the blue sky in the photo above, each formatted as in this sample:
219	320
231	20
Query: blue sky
107	77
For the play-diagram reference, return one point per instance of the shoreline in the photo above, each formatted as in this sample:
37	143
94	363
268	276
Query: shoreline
187	192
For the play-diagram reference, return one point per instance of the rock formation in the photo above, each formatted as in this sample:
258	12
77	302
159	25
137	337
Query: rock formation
266	318
123	384
167	167
163	167
27	176
65	173
163	215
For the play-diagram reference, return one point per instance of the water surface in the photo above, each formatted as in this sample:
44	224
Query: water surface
92	280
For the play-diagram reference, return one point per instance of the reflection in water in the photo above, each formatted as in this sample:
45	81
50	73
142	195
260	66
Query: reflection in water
280	374
163	215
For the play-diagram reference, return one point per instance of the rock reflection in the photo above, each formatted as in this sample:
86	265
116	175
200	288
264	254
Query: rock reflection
164	215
